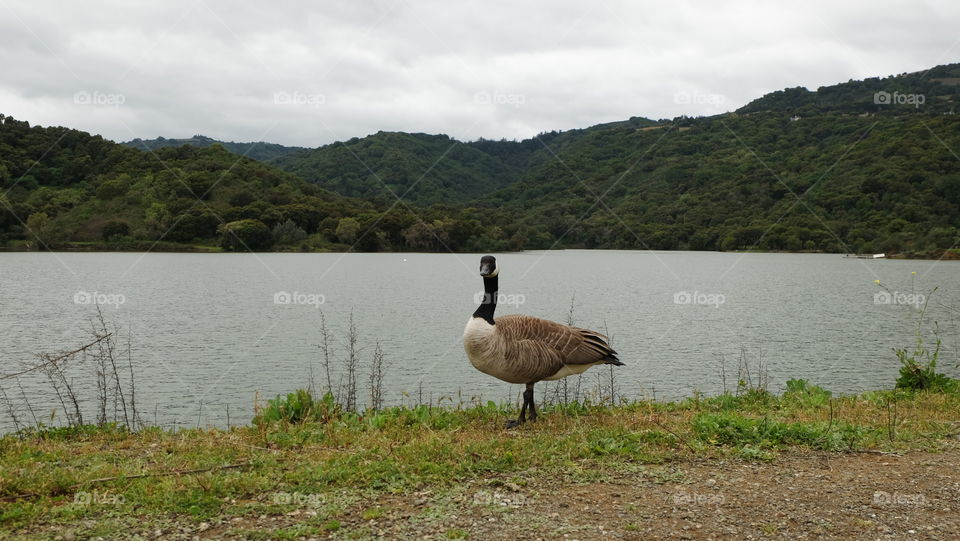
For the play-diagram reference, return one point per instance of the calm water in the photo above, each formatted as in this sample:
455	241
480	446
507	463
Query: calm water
206	327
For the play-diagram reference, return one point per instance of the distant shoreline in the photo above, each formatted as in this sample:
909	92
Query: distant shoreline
172	247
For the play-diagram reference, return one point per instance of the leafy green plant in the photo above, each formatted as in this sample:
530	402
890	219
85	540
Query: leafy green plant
298	407
802	391
918	368
765	433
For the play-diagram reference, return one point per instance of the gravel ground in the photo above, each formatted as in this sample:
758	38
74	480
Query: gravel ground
796	496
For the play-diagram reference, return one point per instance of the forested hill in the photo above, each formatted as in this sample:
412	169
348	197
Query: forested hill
836	169
428	169
258	151
835	182
425	169
60	187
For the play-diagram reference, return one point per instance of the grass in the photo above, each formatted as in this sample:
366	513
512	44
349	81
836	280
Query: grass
111	482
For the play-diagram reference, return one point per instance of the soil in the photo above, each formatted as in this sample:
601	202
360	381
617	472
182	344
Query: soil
796	496
866	495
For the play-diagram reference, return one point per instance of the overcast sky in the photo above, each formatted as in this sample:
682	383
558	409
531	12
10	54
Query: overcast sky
310	73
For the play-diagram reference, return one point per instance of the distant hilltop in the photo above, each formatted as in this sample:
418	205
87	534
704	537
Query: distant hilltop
258	151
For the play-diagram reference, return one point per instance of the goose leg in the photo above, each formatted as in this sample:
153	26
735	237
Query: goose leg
514	423
528	398
527	404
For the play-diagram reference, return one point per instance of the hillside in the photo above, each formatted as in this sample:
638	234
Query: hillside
66	186
829	170
835	182
425	169
258	151
66	189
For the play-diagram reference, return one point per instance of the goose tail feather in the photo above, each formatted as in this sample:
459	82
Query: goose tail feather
612	359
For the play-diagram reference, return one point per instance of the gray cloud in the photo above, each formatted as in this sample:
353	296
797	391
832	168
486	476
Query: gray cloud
309	73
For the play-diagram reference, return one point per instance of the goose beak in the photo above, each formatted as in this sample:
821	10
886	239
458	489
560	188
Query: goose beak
486	269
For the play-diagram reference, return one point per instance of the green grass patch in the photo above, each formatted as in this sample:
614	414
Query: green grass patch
766	433
301	455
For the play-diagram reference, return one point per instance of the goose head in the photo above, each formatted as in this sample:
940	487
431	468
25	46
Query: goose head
488	266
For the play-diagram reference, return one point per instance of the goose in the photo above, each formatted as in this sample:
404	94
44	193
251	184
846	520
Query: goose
525	349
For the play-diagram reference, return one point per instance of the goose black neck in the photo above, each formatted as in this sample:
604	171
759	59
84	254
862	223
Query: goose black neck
489	304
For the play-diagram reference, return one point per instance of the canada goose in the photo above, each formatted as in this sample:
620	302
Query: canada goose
524	349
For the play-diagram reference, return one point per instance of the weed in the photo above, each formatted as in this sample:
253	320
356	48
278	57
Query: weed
298	407
766	433
456	533
371	514
801	391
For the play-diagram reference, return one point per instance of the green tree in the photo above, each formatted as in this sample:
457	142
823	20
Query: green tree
156	219
112	189
41	233
347	230
245	235
114	230
288	232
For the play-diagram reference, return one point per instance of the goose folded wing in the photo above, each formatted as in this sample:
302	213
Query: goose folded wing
558	343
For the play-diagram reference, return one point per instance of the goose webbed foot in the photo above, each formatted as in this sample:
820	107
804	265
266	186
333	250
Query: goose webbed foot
514	423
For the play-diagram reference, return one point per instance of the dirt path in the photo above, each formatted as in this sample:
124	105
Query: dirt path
797	496
816	496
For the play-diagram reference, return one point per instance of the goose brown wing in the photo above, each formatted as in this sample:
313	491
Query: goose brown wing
554	343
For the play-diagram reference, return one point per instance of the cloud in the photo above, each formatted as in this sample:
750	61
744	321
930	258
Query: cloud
492	69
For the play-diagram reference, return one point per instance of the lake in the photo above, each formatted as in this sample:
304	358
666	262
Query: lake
210	332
